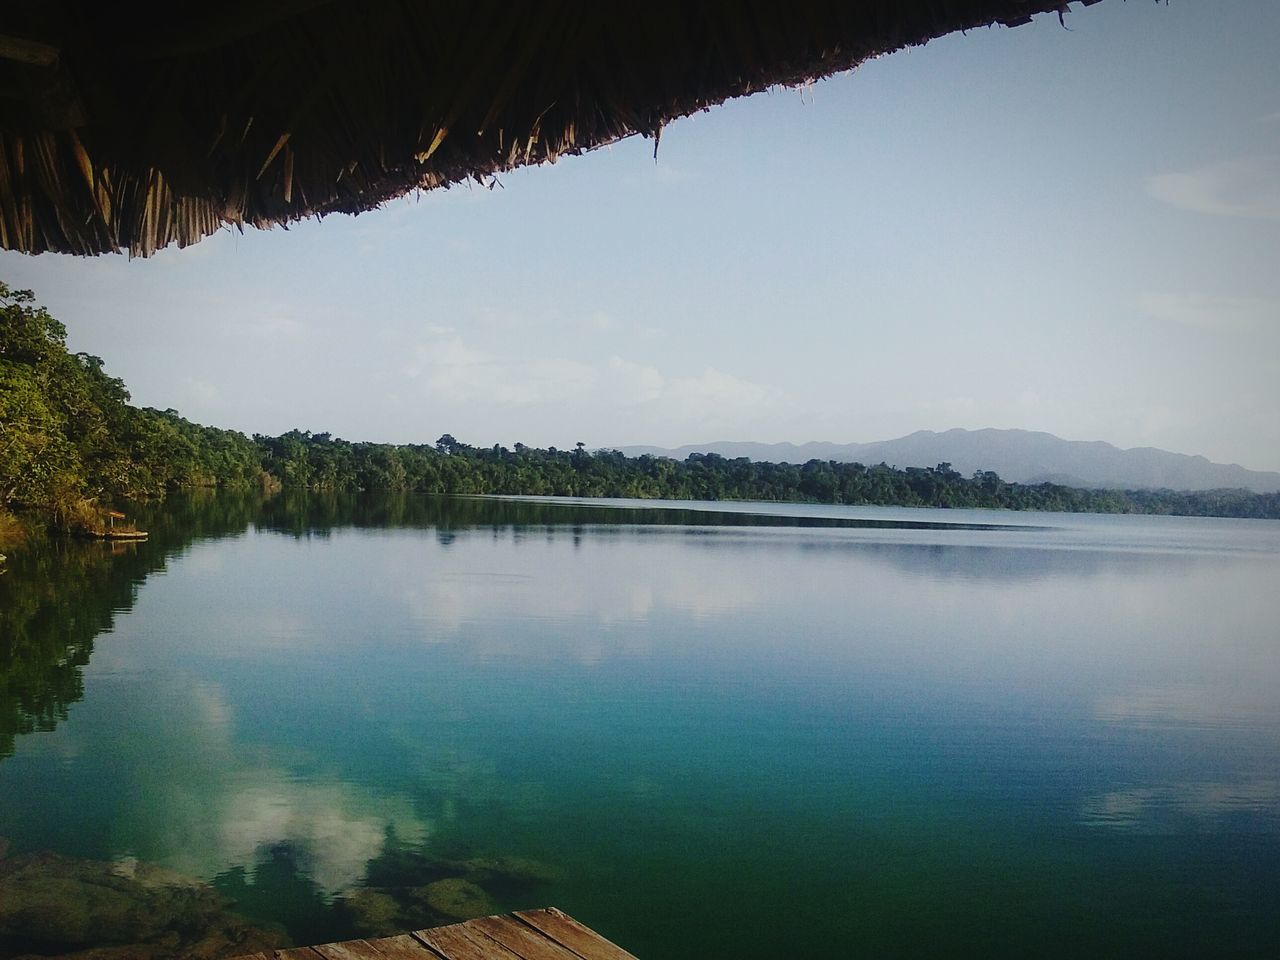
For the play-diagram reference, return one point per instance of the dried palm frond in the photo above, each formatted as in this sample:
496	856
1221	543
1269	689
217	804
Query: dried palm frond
121	135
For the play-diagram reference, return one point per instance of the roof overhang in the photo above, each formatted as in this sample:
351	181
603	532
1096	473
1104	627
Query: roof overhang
129	130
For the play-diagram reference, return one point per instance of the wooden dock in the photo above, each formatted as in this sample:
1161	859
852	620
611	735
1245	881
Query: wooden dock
523	935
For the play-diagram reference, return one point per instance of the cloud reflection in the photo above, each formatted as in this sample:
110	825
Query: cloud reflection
333	827
184	793
534	584
1189	705
1249	806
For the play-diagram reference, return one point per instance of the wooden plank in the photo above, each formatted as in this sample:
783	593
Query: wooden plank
348	950
528	935
457	942
385	948
521	939
404	947
581	940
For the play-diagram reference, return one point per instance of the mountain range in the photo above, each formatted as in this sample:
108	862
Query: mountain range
1020	456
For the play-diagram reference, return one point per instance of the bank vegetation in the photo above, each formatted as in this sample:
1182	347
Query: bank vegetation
72	446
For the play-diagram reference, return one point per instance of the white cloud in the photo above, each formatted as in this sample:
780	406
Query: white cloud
1212	313
634	382
1244	187
451	369
454	371
711	400
720	390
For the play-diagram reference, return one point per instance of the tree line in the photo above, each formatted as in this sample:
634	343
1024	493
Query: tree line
71	443
320	462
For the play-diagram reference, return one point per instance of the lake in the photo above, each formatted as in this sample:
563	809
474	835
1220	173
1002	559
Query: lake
705	730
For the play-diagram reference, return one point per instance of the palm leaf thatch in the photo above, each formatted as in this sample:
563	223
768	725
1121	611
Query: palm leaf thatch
130	130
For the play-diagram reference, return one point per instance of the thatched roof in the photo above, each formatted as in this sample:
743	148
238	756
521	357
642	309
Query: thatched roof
131	130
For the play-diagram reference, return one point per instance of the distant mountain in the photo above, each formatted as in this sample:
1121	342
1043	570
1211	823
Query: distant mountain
1022	456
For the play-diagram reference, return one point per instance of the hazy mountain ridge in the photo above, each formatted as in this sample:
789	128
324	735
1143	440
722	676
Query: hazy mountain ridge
1021	456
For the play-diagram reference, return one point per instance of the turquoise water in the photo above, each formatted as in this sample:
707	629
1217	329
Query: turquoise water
758	730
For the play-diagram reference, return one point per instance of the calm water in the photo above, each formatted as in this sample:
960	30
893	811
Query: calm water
755	731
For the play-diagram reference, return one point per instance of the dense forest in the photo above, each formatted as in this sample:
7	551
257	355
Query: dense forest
70	440
72	444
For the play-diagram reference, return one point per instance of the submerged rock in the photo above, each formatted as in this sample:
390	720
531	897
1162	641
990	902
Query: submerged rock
507	871
414	867
411	889
90	910
61	907
375	913
456	898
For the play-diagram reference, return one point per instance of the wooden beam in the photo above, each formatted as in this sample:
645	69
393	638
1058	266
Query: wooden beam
528	935
564	929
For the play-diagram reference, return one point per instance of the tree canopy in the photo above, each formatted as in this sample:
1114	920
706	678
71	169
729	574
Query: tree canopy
70	440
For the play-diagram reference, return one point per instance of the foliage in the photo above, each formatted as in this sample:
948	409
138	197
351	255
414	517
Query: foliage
69	439
319	462
70	442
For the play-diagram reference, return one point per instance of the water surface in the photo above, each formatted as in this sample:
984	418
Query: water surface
736	730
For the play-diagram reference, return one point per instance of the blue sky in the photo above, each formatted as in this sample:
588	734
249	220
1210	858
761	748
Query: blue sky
1074	230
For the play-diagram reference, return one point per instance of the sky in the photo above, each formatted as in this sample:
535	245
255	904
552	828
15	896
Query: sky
1073	230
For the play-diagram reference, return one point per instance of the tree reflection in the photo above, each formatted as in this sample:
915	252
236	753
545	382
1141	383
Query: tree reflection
58	595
